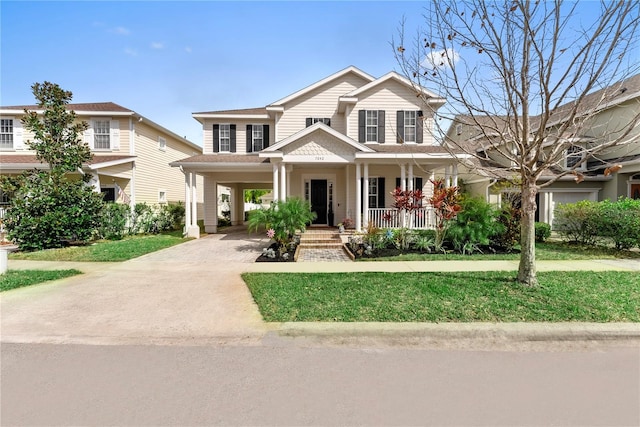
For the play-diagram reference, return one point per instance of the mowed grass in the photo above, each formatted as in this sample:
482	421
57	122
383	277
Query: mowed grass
446	297
13	279
104	251
548	251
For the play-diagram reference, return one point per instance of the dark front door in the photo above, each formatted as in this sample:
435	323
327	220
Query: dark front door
319	200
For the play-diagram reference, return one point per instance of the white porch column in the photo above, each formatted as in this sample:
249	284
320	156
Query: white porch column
403	177
215	207
358	199
410	187
283	178
187	201
455	175
276	183
288	188
194	230
94	182
347	205
365	205
447	177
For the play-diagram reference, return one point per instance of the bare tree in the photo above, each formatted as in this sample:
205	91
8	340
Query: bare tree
529	76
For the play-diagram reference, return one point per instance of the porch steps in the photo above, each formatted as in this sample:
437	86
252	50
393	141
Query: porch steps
322	244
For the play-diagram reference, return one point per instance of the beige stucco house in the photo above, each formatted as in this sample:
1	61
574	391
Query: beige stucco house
131	153
605	112
343	143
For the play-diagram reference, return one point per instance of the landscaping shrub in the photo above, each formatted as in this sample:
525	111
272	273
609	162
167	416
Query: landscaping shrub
282	220
50	214
620	222
508	235
113	221
543	231
577	222
151	219
474	226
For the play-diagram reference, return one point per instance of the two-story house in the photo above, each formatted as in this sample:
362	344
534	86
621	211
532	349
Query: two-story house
605	115
343	143
131	153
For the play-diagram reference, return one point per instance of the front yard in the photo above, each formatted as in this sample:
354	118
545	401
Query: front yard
446	297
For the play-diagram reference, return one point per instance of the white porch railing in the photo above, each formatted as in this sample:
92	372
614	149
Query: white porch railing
423	218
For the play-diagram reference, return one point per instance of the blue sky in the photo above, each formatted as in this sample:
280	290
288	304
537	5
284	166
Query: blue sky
168	59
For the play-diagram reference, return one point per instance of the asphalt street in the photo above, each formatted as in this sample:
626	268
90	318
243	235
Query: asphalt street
283	383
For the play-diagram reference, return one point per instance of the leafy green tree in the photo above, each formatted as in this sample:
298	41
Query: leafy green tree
49	208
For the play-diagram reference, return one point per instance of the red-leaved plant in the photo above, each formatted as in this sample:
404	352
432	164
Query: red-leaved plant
446	206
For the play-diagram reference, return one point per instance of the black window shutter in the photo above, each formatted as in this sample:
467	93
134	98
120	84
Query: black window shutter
397	182
309	121
381	192
362	122
418	183
381	126
232	132
419	127
400	126
327	121
249	138
216	138
265	136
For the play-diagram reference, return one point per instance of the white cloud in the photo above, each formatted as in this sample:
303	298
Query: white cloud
121	31
440	58
187	49
131	52
157	45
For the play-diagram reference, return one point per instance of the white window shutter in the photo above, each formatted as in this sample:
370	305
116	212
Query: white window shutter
18	133
88	135
114	129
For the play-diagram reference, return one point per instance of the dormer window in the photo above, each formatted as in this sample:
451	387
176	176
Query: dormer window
101	135
6	133
458	129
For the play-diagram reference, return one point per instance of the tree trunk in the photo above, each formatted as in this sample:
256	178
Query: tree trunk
527	268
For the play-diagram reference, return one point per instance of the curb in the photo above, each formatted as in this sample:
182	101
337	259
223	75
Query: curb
464	331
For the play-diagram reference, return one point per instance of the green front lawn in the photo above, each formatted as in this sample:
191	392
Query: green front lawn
111	250
446	297
544	251
18	278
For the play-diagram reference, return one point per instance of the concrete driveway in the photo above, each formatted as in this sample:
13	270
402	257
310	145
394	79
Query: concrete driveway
187	293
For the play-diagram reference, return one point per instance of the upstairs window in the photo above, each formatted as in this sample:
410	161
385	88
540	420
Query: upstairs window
410	126
162	144
371	126
313	120
574	155
225	138
257	137
101	135
6	133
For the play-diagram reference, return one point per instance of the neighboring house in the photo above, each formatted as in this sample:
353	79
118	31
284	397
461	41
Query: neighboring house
343	143
131	154
610	109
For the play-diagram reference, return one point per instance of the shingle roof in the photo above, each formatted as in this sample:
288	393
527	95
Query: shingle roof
93	106
408	148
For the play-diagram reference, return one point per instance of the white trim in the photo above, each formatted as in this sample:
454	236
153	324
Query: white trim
100	165
435	99
230	116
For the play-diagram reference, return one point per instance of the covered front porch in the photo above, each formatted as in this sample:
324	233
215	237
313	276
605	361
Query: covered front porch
344	181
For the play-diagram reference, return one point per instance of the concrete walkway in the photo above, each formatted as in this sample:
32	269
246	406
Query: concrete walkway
193	294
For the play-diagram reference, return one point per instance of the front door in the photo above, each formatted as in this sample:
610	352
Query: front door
319	200
635	191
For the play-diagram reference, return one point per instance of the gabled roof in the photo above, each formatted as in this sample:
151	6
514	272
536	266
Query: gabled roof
339	74
238	112
392	75
316	127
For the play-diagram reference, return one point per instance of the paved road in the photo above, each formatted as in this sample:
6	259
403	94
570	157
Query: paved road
285	384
